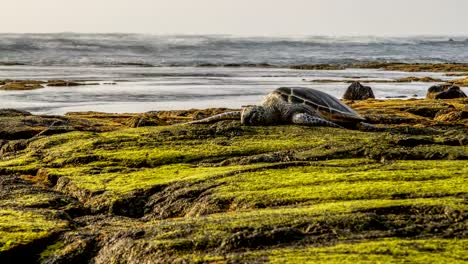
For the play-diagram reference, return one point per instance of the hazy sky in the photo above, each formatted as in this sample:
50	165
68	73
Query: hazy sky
238	17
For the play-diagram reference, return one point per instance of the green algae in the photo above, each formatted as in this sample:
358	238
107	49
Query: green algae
322	183
50	251
225	192
380	251
28	200
218	232
23	227
146	177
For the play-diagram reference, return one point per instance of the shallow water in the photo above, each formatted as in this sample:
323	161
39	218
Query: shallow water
168	88
160	72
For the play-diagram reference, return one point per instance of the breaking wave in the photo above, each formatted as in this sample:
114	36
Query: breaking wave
128	50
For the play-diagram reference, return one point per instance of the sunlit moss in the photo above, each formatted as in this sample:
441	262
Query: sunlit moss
19	227
381	251
322	183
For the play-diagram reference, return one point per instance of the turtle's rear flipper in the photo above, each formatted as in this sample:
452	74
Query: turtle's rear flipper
308	120
224	116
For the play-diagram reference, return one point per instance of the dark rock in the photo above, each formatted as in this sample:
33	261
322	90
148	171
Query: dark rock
62	83
438	88
356	91
145	120
2	142
451	93
444	91
13	112
259	238
13	146
396	96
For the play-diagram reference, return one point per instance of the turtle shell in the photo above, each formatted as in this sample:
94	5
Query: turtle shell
329	106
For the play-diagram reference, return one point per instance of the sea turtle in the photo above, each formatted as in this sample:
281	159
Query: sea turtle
295	105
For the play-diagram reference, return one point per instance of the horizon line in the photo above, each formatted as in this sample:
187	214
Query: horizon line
235	35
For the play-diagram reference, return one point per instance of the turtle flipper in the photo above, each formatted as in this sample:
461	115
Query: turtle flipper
308	120
224	116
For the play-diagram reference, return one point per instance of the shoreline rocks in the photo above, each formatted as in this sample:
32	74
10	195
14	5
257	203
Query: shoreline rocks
20	85
444	91
357	91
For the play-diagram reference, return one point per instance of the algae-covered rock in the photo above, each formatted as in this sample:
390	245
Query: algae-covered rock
13	112
223	192
63	83
22	85
390	66
418	79
460	82
31	217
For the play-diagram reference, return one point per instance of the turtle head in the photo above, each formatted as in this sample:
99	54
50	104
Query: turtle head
254	116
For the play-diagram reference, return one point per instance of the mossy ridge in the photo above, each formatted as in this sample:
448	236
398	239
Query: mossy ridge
111	178
122	183
20	227
148	150
259	229
188	149
324	183
90	153
394	250
250	232
33	200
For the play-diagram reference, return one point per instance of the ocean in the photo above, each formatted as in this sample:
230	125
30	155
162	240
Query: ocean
180	72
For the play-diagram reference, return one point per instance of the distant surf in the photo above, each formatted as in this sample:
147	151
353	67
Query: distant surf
121	50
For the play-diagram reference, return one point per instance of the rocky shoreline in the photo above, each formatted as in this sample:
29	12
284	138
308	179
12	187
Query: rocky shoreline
133	188
389	66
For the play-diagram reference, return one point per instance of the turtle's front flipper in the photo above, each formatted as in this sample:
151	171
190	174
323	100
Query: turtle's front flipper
224	116
308	120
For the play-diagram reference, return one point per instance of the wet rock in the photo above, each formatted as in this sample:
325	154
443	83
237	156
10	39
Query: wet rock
450	115
258	238
21	85
13	146
64	185
436	89
13	112
2	142
61	83
444	91
318	67
460	82
418	79
396	97
412	67
451	93
356	91
145	120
